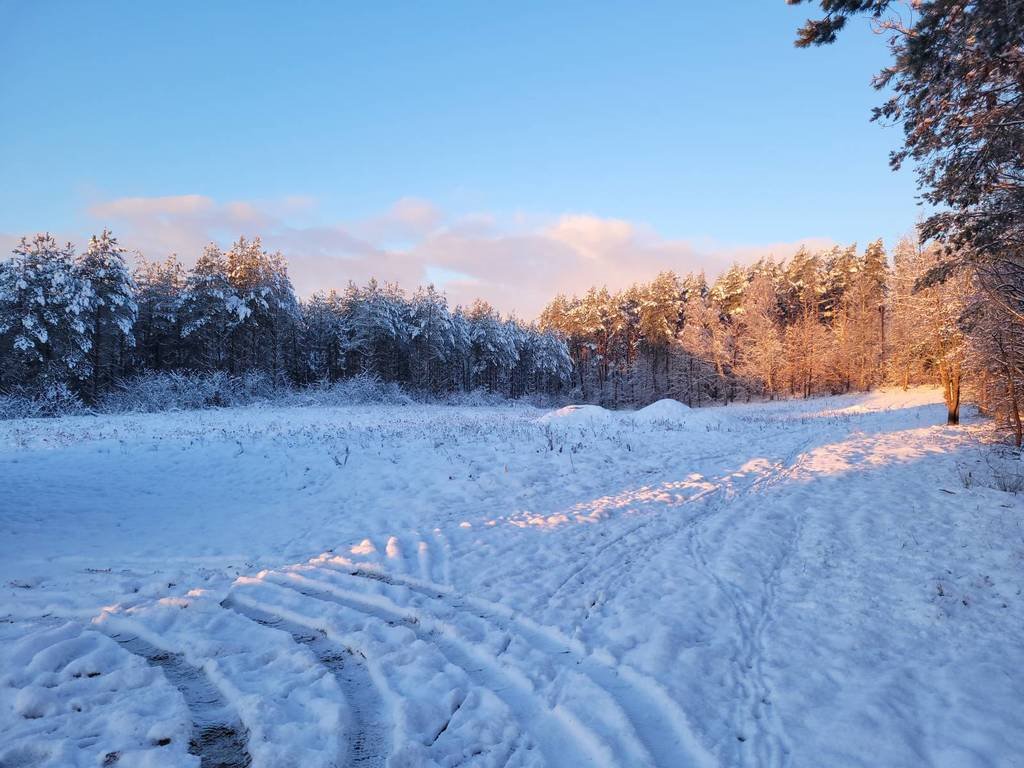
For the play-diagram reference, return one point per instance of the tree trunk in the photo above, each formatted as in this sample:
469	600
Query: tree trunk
1018	428
96	361
953	416
951	394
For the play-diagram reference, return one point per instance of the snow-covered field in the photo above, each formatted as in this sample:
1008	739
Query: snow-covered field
817	583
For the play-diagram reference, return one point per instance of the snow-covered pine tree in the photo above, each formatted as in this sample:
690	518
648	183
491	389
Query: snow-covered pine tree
208	309
875	275
157	329
995	353
839	266
805	336
265	337
759	336
560	316
460	368
696	378
112	310
660	319
432	339
377	319
286	329
858	323
905	348
492	347
515	379
325	340
44	310
727	291
551	364
802	289
625	349
594	318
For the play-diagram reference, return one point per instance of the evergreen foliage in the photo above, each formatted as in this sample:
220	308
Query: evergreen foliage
85	325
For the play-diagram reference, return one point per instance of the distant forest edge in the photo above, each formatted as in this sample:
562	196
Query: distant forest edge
84	328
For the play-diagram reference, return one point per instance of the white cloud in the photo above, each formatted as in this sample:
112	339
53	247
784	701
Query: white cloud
591	236
518	264
177	205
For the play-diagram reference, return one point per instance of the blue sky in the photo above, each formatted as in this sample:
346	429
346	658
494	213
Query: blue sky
436	140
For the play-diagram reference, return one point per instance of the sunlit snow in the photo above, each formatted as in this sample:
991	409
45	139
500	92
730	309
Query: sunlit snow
803	583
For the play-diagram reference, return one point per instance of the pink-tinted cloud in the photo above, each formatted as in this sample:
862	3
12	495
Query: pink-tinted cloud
408	220
180	224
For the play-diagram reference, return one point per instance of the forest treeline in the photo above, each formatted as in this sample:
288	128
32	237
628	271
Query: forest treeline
821	322
824	322
89	322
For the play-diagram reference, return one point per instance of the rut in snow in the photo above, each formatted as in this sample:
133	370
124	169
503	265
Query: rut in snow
369	732
555	732
658	721
612	712
218	738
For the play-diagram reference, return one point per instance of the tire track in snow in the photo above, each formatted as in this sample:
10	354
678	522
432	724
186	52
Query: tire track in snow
420	556
660	532
593	559
369	731
218	739
754	713
657	719
617	562
312	614
241	662
559	734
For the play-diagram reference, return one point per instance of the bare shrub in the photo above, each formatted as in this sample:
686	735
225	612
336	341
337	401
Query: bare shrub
1006	469
30	403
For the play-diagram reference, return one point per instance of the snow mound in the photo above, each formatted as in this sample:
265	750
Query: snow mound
578	416
663	410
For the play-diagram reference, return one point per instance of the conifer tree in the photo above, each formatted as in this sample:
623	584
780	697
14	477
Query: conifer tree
157	331
492	347
264	337
432	339
760	336
839	268
326	341
208	309
44	314
660	318
112	310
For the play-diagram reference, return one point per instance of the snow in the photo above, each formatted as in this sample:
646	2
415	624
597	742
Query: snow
578	416
802	583
69	694
664	410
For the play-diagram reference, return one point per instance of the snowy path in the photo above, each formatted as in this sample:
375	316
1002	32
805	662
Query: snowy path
789	584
